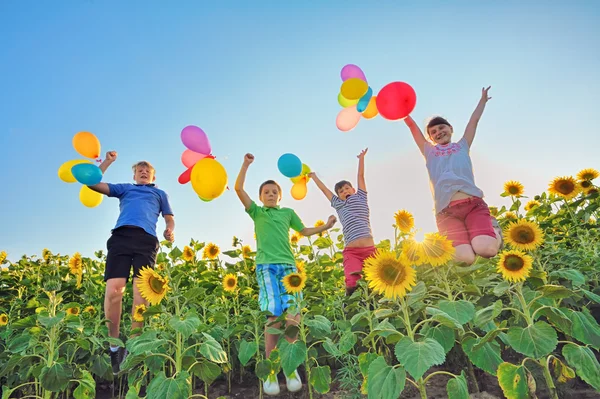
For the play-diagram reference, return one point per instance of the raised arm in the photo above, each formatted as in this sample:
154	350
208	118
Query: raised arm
472	125
361	169
102	188
321	186
169	233
309	231
239	183
416	133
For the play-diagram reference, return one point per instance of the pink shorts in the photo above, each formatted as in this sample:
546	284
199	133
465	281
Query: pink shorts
462	220
354	258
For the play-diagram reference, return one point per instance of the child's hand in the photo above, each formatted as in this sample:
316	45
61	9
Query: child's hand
312	175
111	156
248	159
362	154
330	222
484	94
169	235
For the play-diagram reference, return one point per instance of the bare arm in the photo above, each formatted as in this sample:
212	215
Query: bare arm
170	228
472	125
321	186
361	170
239	183
102	188
416	133
309	231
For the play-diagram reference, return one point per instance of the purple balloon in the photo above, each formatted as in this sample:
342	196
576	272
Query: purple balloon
352	71
195	139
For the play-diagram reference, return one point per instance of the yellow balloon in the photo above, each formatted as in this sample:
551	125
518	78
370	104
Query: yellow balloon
344	102
209	178
299	190
354	89
87	144
89	197
64	172
371	111
302	176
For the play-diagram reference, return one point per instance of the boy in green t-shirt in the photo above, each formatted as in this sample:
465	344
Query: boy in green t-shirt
274	259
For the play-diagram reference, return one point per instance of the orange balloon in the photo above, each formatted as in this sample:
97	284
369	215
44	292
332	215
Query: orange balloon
87	144
371	111
299	190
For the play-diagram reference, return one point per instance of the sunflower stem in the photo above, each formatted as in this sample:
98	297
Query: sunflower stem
519	294
422	389
407	319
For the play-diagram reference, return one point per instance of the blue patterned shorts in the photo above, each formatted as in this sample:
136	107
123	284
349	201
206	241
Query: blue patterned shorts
272	295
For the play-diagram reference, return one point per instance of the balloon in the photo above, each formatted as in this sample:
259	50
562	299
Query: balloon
64	171
303	174
87	144
347	119
396	100
364	100
354	89
87	174
205	200
371	111
89	197
352	71
289	165
189	158
185	176
209	178
195	139
299	190
344	102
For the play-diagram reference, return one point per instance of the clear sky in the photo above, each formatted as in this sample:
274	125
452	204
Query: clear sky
263	77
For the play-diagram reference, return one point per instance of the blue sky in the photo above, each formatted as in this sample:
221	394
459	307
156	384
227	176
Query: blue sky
263	77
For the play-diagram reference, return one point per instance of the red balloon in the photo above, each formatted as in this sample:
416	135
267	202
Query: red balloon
185	176
396	101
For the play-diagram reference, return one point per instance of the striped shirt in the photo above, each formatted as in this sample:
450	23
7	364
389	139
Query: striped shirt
354	215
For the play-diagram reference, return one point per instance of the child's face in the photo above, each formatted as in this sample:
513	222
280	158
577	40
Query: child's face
270	195
144	175
346	191
440	134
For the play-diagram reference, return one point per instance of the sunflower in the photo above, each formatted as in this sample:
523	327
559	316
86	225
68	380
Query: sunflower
513	188
565	187
404	221
138	313
300	267
412	252
591	220
74	311
295	237
236	241
75	264
188	254
510	216
320	223
2	257
3	319
437	249
153	287
246	251
230	282
592	190
524	235
294	282
46	254
89	309
211	251
588	174
493	210
388	275
514	265
531	204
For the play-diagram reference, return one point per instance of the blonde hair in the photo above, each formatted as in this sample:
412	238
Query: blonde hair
142	163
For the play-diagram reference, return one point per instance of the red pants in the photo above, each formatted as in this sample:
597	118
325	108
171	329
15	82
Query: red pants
353	263
465	219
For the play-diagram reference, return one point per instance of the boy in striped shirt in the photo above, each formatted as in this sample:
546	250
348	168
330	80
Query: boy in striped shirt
353	212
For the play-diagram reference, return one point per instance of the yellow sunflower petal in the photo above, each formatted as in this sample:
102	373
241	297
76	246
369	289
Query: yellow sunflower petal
230	282
153	287
294	282
565	187
388	275
524	235
437	249
404	221
3	319
188	254
514	265
588	174
211	251
514	188
138	313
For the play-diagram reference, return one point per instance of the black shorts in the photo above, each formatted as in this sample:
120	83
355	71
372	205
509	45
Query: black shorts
129	246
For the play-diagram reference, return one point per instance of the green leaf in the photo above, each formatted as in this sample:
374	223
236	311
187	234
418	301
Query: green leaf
457	387
212	350
585	363
585	328
100	365
173	388
19	343
347	341
418	357
27	322
147	342
501	288
319	326
487	314
55	378
513	381
444	318
557	318
590	295
247	350
462	311
263	369
555	291
357	317
206	371
364	361
320	378
385	382
486	357
185	327
536	340
323	242
442	334
86	388
575	276
417	294
50	322
331	348
175	253
292	355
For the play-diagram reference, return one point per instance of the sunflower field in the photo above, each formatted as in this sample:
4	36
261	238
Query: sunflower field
521	324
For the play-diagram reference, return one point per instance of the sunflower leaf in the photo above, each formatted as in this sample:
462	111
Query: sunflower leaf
320	378
557	318
55	378
443	318
173	388
487	314
86	388
536	340
585	328
463	311
555	291
457	387
486	356
442	334
247	350
513	381
418	357
206	371
385	382
591	296
292	355
186	326
575	276
147	342
585	363
319	326
263	369
212	350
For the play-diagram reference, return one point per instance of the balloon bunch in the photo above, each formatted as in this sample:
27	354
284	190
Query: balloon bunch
394	101
208	176
290	166
82	170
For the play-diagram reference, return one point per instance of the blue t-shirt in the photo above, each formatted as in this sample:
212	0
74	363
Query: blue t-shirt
140	205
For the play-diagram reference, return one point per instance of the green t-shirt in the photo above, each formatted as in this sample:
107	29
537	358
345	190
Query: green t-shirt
272	228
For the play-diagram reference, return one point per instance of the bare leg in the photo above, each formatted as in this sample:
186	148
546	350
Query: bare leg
271	339
464	253
112	304
485	246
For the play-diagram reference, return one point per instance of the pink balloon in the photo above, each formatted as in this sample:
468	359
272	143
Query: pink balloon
189	158
195	139
352	71
347	119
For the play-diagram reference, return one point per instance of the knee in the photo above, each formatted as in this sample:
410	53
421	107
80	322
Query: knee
467	258
115	292
488	251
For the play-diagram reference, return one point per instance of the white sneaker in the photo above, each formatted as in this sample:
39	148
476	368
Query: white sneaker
293	382
271	385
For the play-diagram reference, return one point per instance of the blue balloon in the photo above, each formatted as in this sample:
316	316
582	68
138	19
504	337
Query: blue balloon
87	173
364	100
289	165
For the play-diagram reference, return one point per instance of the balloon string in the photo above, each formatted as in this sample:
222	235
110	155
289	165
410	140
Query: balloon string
99	160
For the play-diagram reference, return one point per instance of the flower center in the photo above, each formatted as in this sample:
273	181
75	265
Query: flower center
565	187
513	263
391	272
156	285
523	235
295	281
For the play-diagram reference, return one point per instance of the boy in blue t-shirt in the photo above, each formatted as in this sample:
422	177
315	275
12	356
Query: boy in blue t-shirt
133	241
